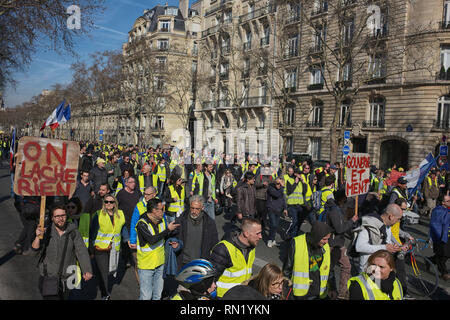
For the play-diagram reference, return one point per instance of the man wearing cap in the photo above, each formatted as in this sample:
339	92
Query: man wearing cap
431	190
98	175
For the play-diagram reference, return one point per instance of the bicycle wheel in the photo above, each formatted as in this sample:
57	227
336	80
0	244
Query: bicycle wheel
423	283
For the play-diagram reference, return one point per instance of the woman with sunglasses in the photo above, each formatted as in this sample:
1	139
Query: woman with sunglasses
107	231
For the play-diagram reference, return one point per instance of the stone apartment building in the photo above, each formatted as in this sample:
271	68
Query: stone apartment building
266	65
158	85
396	102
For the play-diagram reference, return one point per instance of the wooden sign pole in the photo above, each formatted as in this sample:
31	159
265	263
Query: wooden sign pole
356	205
42	215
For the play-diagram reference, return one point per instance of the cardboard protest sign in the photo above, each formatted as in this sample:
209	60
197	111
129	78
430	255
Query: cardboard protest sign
46	167
358	174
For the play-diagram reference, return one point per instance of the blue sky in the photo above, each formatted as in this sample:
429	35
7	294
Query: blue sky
48	68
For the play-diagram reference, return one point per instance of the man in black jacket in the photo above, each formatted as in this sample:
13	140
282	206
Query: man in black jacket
197	231
336	219
98	175
243	241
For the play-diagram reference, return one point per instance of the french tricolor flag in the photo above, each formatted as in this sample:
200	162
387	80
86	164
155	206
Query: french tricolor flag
61	118
11	148
415	177
52	119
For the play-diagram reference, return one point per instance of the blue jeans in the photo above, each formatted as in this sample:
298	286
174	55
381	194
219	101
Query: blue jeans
209	209
274	219
151	283
297	216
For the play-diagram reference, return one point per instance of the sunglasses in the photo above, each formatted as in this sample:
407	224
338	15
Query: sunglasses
111	202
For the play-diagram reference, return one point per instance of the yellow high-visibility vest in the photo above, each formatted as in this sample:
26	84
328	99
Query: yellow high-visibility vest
240	271
109	233
300	272
371	291
151	256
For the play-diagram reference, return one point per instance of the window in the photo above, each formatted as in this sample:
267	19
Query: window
224	71
290	80
171	11
293	12
316	75
289	118
347	32
445	57
314	147
195	49
346	73
158	83
157	122
345	117
226	45
164	26
443	114
320	6
161	63
376	112
377	66
446	13
292	46
163	44
315	119
320	37
266	36
289	144
228	16
248	44
251	10
263	94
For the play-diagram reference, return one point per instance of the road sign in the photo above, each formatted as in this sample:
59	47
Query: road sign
346	142
100	132
100	138
443	150
346	135
346	150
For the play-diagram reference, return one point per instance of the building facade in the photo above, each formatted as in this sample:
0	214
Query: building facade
310	69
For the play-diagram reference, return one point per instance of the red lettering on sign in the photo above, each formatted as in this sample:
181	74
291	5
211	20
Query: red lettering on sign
60	157
26	152
23	186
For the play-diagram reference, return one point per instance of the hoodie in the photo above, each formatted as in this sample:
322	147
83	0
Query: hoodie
315	256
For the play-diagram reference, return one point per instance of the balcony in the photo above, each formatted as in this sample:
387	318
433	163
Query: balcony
164	30
224	103
443	75
373	124
441	124
322	9
314	124
256	14
290	89
345	124
217	6
292	53
316	86
225	49
208	105
256	101
247	45
444	25
316	49
210	30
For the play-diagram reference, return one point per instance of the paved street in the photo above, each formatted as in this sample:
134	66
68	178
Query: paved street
19	274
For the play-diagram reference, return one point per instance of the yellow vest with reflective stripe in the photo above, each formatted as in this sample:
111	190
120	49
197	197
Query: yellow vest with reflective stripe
83	227
371	291
160	175
300	272
324	197
179	205
119	187
296	197
151	256
108	232
240	271
141	183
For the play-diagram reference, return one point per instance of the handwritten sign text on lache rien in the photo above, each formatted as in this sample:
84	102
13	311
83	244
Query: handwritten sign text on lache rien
46	167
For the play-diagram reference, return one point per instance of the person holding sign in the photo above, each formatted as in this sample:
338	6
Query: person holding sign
57	263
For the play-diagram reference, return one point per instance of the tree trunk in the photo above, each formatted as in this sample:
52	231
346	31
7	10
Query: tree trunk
333	134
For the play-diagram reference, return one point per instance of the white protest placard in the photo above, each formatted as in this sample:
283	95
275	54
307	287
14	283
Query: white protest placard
358	174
